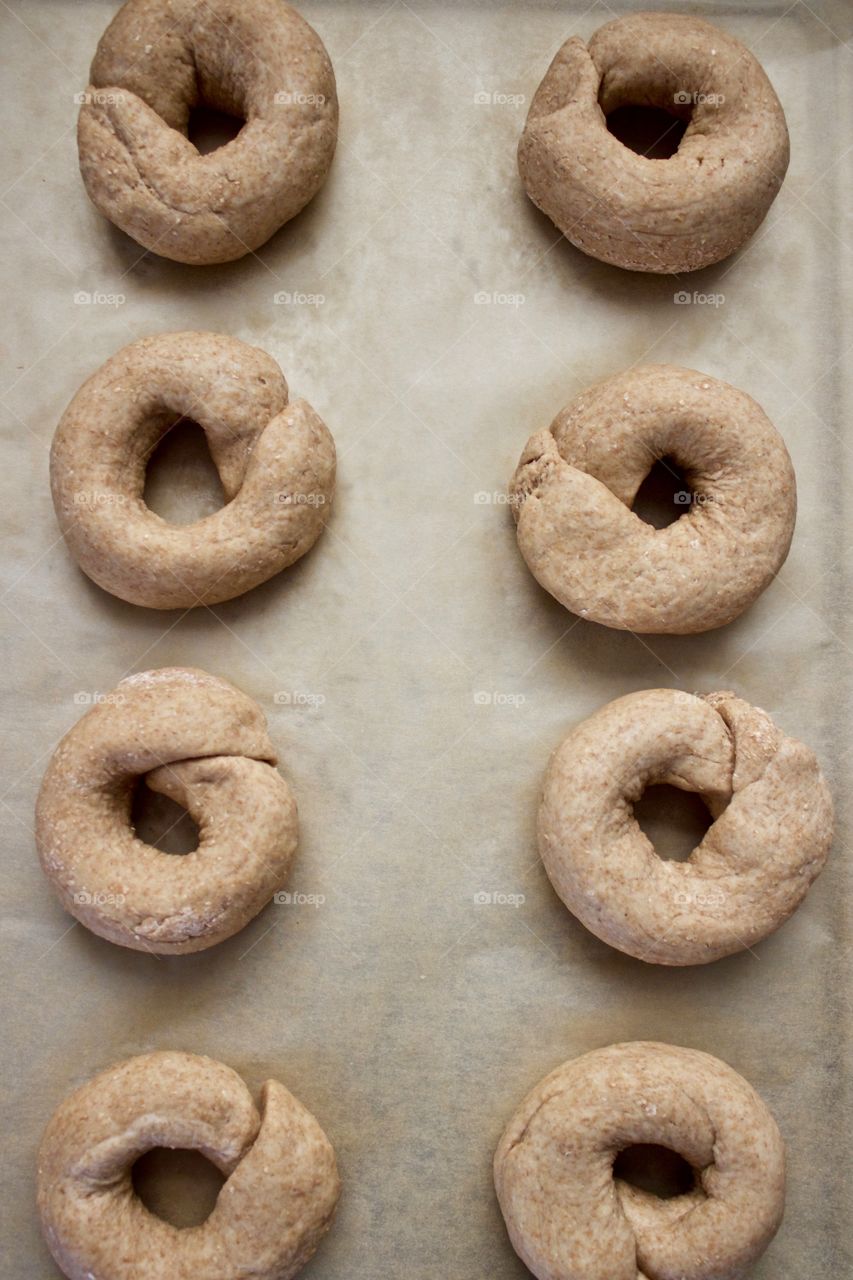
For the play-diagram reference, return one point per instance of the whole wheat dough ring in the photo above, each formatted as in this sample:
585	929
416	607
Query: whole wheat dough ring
204	744
276	462
277	1202
157	60
570	1217
752	869
575	484
672	215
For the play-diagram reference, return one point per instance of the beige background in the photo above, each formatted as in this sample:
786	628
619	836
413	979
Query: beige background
408	1017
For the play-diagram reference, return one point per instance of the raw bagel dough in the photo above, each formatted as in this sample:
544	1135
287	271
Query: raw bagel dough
254	59
276	462
278	1201
575	484
199	741
672	215
753	868
569	1218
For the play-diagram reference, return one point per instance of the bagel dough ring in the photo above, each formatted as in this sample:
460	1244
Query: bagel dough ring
204	744
570	1218
769	840
156	61
665	216
575	484
276	462
278	1200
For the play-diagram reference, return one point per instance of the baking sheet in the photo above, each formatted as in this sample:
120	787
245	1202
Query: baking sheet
414	675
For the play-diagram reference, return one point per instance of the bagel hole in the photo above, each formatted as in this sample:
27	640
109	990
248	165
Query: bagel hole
649	131
179	1186
161	822
209	129
657	1170
675	821
664	496
182	484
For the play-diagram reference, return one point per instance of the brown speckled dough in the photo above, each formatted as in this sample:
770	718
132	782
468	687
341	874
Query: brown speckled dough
770	838
254	59
278	1201
569	1218
670	215
575	484
199	741
276	462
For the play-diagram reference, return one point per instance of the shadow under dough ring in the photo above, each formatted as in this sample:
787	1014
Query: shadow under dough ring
770	836
276	462
204	744
257	60
277	1202
575	484
570	1217
672	215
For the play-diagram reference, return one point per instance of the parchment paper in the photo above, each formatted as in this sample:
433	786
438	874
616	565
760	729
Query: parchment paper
414	675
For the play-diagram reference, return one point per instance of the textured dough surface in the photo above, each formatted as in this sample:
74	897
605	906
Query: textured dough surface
254	59
575	484
277	1202
672	215
276	462
204	744
770	838
569	1218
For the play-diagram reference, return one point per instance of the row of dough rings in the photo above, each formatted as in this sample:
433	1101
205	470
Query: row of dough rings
569	1214
571	494
260	61
275	459
204	744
